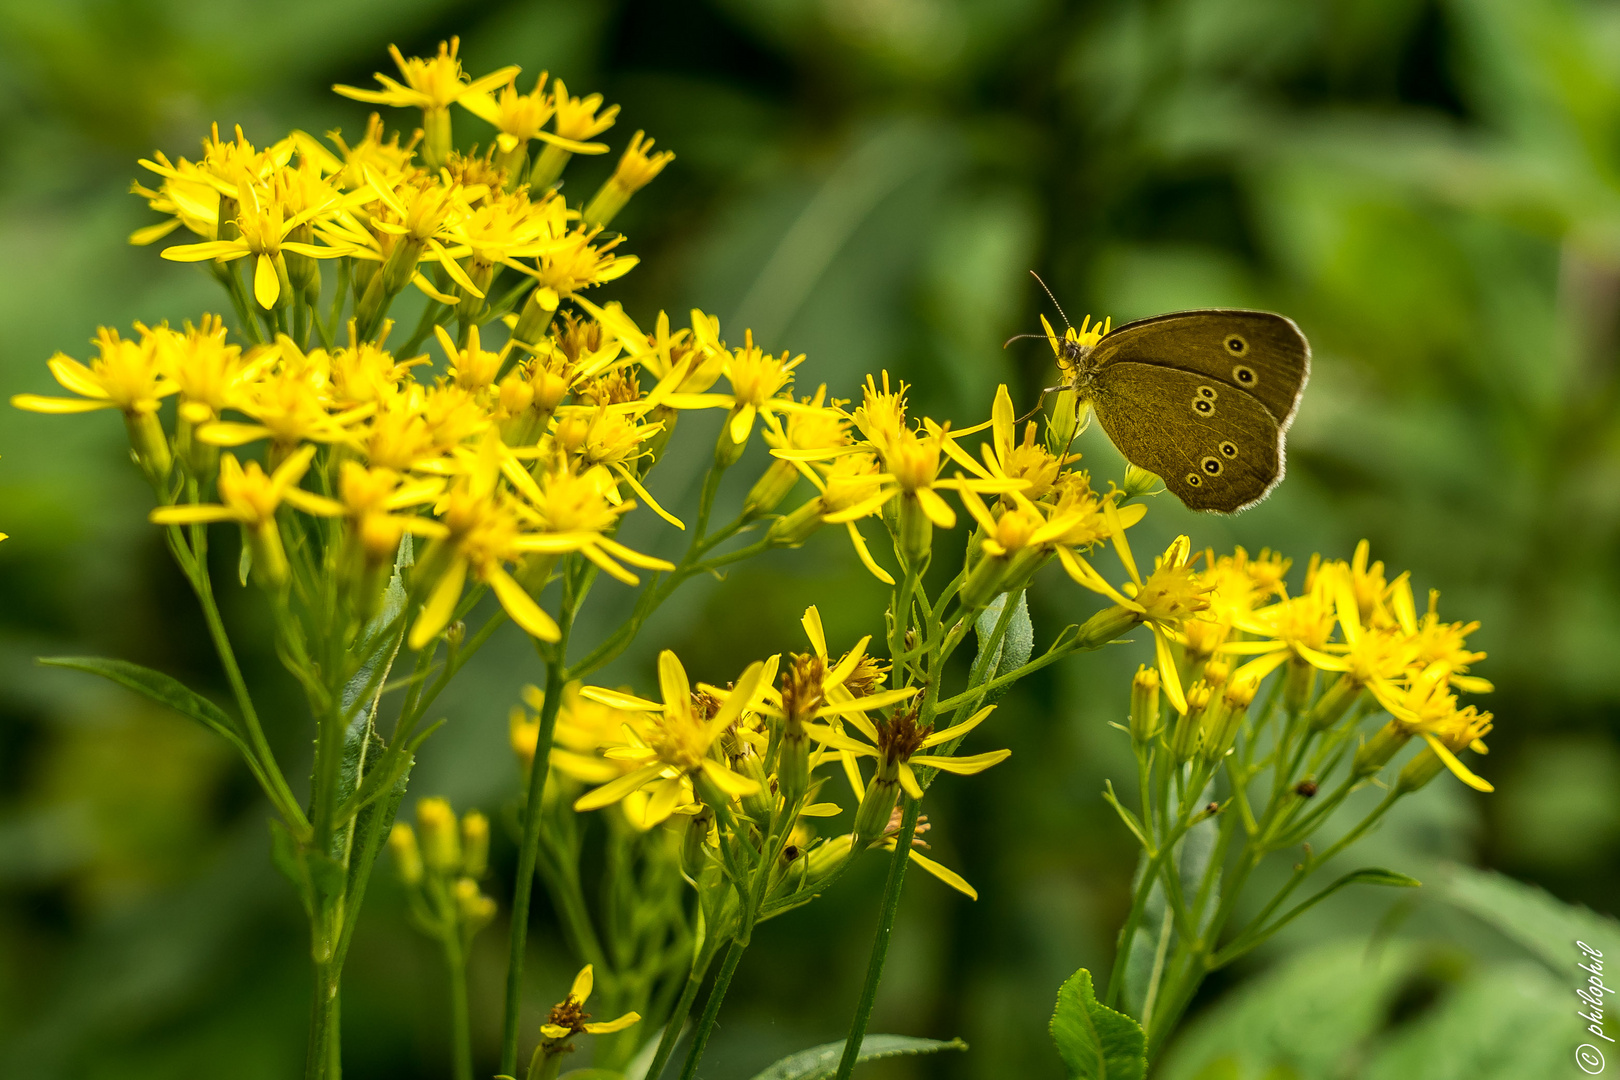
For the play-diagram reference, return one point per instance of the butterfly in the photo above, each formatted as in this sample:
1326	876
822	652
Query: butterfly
1202	399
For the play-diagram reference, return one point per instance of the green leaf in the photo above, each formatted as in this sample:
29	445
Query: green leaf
1366	876
1017	641
1535	920
1095	1042
160	688
821	1062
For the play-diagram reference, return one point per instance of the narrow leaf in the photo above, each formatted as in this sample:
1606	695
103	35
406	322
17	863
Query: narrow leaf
1095	1042
821	1062
157	687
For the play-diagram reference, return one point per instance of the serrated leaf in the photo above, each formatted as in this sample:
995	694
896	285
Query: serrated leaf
821	1062
1017	641
1534	919
1094	1041
157	687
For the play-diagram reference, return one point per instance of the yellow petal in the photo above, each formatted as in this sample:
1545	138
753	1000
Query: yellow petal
813	630
266	287
607	1027
962	766
582	985
56	405
612	792
958	730
908	781
1458	769
944	873
619	700
1169	677
522	607
440	606
672	681
727	781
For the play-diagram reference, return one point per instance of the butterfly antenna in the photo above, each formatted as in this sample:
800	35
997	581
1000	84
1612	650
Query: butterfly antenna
1020	337
1054	300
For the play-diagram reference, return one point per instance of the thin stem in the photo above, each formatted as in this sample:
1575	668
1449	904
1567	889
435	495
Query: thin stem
880	944
711	1011
529	852
460	1035
677	1016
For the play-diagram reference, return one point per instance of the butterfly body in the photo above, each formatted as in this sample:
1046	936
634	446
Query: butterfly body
1203	399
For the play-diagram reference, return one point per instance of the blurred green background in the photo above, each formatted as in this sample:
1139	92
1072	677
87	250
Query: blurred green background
1431	189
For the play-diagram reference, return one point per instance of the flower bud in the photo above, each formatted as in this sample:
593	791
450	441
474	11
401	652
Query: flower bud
761	803
408	857
1145	719
1105	626
727	451
441	842
1424	766
534	321
1184	737
774	486
1215	673
916	531
793	764
1376	751
149	445
473	908
1225	719
1299	683
474	844
797	527
1334	703
823	859
1138	481
984	582
876	809
694	844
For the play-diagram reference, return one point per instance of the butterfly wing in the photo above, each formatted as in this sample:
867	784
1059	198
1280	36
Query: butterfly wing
1259	353
1215	446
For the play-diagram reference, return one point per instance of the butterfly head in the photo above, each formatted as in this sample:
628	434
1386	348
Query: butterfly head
1073	349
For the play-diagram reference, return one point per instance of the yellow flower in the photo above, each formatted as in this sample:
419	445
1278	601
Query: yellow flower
210	373
1169	596
574	512
127	375
578	119
575	262
262	225
432	85
636	169
516	115
371	500
251	498
484	532
1007	458
894	742
569	1018
680	742
473	368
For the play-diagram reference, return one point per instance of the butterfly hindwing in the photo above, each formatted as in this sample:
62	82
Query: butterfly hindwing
1215	446
1257	352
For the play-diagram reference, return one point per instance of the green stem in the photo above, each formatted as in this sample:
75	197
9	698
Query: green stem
711	1011
322	1061
529	852
677	1016
880	944
460	1035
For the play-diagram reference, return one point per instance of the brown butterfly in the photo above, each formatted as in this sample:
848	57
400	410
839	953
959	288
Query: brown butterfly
1202	399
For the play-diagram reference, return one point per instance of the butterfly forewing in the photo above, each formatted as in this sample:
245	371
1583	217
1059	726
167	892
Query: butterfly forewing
1256	352
1215	446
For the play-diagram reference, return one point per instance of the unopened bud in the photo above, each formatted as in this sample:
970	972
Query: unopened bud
1335	701
727	451
441	841
1105	626
407	856
916	531
1145	719
474	844
797	527
793	763
1299	683
1424	766
1216	673
150	445
694	844
876	809
774	486
473	907
1376	751
1184	737
1138	481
